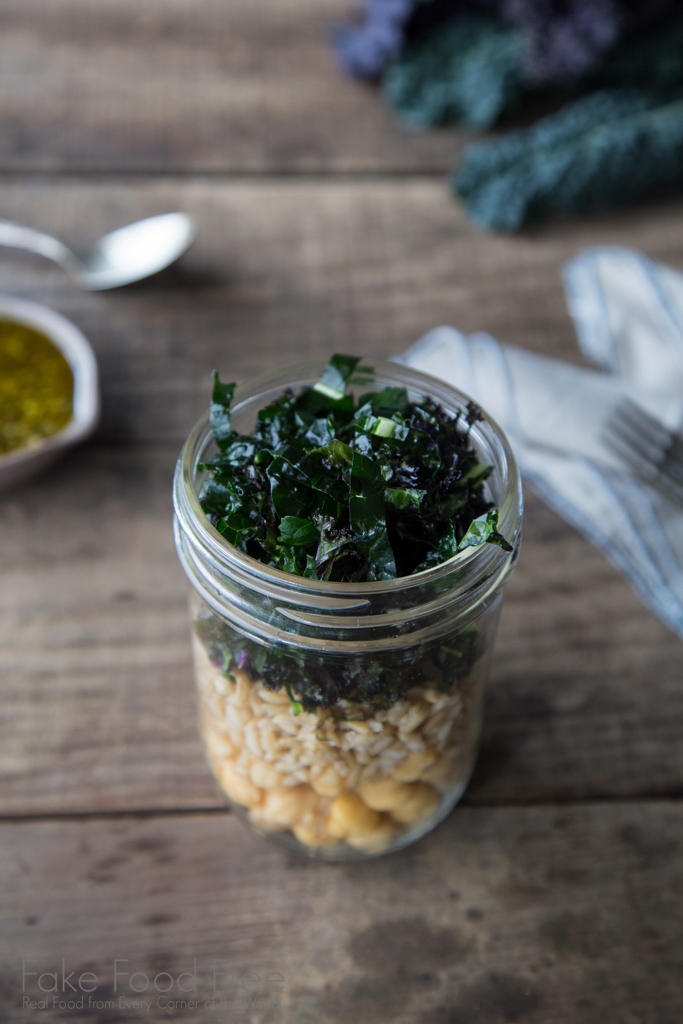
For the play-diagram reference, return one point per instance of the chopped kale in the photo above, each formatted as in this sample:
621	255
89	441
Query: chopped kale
314	680
333	488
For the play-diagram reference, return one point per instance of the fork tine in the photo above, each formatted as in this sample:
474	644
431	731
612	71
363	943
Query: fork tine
669	487
632	448
644	432
652	451
642	420
674	459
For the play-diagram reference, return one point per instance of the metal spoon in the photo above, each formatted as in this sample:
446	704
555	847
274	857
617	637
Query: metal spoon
123	256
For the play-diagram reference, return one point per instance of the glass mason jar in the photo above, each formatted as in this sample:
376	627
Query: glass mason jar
348	779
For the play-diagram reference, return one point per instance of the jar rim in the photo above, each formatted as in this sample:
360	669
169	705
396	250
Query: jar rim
468	565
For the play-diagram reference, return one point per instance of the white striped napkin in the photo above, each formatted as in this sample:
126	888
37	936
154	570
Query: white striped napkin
628	313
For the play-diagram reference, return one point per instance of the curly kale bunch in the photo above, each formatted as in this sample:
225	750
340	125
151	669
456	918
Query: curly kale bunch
561	40
385	26
617	64
472	70
469	71
333	488
606	149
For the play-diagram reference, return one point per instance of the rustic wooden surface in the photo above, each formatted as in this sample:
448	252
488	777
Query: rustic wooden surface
554	893
214	86
520	914
585	699
289	270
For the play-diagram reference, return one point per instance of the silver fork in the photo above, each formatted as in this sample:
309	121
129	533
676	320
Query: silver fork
651	450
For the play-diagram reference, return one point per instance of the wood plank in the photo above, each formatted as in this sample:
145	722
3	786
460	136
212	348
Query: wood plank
296	269
582	674
99	708
96	682
539	915
198	85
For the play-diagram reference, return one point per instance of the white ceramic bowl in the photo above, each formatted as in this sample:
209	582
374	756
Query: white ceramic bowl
18	464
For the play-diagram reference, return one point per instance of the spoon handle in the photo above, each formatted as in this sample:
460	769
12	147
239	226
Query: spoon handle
17	237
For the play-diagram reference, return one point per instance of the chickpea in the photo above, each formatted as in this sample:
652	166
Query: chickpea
349	815
440	772
384	795
420	802
375	840
415	765
287	806
313	833
258	818
264	776
335	828
328	782
238	787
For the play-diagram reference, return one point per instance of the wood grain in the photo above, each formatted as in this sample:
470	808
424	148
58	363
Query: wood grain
193	85
99	708
534	915
293	270
96	682
554	893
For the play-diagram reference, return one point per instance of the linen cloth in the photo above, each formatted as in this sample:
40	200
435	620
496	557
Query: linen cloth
628	314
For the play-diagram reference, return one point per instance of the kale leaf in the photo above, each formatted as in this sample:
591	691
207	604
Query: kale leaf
473	69
469	70
562	40
605	149
315	680
332	487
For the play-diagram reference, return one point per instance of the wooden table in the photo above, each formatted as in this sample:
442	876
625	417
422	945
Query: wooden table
553	893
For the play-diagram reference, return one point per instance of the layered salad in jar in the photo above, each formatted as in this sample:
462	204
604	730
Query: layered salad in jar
356	754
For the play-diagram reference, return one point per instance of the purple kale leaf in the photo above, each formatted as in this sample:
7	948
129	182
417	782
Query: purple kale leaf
568	39
364	49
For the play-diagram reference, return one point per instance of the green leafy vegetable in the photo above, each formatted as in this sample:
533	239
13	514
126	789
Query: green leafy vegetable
606	149
314	680
220	410
294	704
469	70
336	376
402	497
473	69
332	487
483	530
298	532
